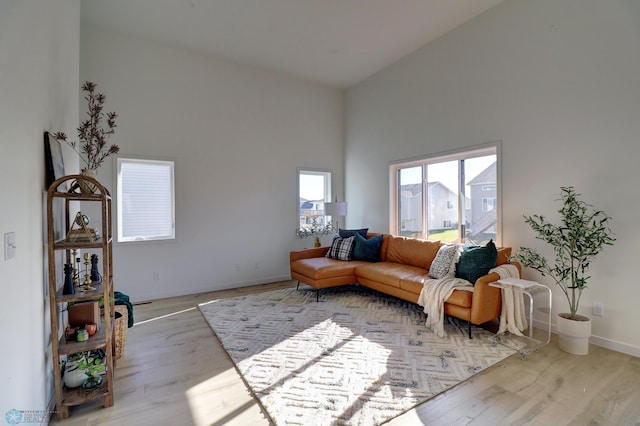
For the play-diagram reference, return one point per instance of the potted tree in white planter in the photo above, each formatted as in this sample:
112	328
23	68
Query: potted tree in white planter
577	240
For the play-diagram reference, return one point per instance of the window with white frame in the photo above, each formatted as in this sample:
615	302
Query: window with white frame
447	197
145	200
314	189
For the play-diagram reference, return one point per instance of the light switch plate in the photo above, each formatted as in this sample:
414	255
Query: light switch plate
9	245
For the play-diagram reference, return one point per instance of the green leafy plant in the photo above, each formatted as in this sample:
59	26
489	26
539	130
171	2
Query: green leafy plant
93	133
577	240
315	229
89	364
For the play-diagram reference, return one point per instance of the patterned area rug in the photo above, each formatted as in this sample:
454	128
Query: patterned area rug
357	357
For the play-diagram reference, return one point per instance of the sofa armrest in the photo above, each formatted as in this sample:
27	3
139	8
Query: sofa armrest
487	301
308	253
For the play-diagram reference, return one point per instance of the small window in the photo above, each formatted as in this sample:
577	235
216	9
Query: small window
145	200
314	189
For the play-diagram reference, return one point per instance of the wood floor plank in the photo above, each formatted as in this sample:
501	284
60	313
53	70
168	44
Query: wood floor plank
175	371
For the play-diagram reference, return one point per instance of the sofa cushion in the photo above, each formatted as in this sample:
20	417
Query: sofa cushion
323	267
367	249
341	248
445	262
476	261
460	298
388	273
410	251
346	233
414	285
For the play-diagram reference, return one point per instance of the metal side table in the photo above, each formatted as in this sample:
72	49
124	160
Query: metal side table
529	288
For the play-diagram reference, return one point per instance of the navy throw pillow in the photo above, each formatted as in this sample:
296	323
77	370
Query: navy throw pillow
368	250
476	261
346	233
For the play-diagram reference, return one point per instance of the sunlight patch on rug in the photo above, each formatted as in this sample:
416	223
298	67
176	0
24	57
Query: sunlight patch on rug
357	357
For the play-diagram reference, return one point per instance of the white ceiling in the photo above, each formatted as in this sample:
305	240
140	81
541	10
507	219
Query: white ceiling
333	42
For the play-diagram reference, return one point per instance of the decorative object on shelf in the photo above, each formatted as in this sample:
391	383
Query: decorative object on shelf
93	135
336	210
68	279
76	260
71	333
91	366
95	275
315	230
91	329
83	313
79	231
73	375
83	335
87	274
581	236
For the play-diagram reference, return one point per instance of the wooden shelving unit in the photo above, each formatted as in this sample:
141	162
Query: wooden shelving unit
103	290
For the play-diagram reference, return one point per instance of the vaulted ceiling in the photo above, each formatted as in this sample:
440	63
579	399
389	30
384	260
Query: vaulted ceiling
332	42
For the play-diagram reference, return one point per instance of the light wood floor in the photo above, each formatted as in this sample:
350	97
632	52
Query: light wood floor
175	372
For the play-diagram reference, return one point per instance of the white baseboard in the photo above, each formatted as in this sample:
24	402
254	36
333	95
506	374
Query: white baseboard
175	293
598	341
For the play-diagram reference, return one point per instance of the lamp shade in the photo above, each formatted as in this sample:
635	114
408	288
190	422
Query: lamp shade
335	209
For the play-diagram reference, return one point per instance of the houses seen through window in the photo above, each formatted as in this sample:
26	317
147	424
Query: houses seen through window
450	197
314	189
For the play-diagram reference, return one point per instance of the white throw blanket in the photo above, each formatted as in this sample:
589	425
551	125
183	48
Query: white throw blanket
512	318
432	297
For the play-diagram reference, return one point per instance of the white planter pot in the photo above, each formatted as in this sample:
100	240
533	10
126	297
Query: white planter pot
573	335
73	376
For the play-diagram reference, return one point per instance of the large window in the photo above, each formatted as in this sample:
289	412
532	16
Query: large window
145	200
448	197
314	189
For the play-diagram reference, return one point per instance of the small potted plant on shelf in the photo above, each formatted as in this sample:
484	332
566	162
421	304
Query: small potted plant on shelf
93	134
315	230
91	365
576	241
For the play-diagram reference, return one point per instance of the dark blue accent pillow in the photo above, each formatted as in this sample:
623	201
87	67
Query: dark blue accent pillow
368	250
476	261
346	233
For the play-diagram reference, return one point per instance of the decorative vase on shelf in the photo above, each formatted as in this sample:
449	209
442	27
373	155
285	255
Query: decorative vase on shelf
92	382
73	376
86	186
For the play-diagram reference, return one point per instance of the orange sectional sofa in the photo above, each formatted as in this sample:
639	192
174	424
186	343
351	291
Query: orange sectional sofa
403	268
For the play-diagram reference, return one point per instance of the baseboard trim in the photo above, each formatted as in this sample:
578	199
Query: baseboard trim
598	341
177	292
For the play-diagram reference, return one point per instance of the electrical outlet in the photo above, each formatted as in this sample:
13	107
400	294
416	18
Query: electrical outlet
598	309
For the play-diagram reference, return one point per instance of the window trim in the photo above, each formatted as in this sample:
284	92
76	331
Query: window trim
118	212
479	150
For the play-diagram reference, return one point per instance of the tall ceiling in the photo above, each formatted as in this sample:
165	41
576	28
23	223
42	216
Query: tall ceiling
332	42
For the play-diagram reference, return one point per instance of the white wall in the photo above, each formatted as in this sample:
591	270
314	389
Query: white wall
39	67
558	81
237	135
